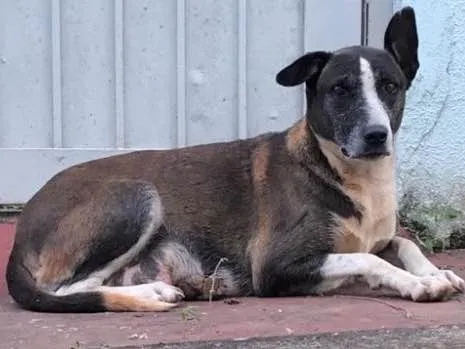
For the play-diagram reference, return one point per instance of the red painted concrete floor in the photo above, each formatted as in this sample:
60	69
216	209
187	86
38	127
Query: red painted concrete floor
245	318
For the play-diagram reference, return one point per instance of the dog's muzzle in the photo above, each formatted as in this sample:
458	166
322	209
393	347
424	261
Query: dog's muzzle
372	144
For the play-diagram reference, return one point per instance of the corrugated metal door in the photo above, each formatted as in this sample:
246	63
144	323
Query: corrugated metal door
90	78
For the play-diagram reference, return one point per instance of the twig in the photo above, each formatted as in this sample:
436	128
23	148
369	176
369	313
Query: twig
213	277
420	241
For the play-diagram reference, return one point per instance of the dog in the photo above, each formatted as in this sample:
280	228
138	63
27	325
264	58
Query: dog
291	213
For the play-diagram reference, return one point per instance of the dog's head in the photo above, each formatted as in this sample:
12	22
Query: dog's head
356	95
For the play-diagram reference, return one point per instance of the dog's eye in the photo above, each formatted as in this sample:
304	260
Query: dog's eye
339	90
391	87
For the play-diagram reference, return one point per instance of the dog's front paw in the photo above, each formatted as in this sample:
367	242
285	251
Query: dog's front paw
436	287
454	279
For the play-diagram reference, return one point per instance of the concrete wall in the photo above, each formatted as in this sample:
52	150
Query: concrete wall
431	142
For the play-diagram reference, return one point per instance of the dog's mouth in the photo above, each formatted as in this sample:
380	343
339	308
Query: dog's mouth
367	155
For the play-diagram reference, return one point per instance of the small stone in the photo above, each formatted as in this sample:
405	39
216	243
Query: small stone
33	321
232	301
138	336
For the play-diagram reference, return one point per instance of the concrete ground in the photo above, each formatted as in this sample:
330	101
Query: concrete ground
307	322
437	337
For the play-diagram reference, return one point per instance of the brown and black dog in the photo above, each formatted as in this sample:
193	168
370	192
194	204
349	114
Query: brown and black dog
289	213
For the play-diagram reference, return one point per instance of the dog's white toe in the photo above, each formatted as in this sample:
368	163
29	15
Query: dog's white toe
432	288
154	291
457	282
167	293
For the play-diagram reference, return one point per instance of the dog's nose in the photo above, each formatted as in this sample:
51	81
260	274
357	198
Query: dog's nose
376	135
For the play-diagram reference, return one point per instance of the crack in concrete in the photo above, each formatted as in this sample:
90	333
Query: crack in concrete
431	129
440	113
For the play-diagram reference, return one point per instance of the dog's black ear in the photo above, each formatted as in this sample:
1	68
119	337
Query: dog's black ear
401	40
305	68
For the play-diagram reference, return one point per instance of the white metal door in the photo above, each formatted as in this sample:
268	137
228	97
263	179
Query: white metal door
90	78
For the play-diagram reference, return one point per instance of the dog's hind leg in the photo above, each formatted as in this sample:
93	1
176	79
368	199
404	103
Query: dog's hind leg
151	296
93	241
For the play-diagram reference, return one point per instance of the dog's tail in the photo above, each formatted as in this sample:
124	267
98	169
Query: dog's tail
29	296
24	290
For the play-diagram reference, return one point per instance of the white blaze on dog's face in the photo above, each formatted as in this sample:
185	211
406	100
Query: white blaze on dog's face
377	132
373	104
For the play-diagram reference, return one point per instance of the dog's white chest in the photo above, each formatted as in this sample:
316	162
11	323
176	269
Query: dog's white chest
374	194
